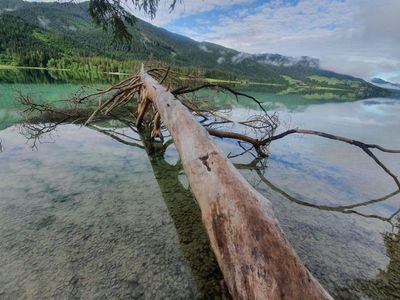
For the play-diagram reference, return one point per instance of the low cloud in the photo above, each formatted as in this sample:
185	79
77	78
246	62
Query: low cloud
357	37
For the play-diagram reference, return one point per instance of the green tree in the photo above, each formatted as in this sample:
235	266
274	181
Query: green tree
111	14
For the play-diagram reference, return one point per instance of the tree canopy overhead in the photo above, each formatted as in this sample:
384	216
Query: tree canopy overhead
112	14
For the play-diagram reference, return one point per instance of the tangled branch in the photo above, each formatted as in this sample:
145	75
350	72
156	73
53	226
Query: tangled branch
129	98
345	209
363	146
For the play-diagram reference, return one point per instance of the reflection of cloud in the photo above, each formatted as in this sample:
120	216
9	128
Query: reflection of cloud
359	121
374	102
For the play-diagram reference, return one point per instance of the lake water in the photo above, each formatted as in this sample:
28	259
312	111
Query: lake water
85	216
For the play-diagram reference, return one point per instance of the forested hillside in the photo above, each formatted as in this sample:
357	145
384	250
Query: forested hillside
63	36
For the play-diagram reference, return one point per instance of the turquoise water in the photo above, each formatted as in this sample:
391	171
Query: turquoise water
85	216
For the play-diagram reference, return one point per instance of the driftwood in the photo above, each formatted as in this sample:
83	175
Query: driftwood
255	257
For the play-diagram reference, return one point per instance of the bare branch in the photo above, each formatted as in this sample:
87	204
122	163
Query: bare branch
237	136
365	147
346	209
186	90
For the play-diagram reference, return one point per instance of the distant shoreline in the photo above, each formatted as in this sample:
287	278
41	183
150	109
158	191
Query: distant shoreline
10	67
209	80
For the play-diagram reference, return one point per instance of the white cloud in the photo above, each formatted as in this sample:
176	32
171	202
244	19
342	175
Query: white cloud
359	37
238	58
184	9
221	60
43	21
204	48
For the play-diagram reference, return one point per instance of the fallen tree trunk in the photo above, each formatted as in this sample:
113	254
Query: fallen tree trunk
255	258
252	252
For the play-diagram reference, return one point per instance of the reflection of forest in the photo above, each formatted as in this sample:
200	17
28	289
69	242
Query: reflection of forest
303	96
55	76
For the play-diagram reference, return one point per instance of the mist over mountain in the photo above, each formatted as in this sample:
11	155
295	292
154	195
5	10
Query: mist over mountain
385	84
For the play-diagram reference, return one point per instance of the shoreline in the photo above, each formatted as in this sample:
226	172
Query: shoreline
209	80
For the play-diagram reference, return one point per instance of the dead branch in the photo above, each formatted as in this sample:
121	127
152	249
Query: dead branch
165	76
35	132
143	104
363	146
346	209
116	136
186	90
237	136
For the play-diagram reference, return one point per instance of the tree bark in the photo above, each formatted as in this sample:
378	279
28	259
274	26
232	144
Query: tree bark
253	253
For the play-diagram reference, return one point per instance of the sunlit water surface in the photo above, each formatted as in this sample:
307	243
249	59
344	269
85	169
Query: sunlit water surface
85	216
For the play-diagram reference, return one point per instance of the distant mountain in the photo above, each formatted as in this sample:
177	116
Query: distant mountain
384	83
379	81
63	35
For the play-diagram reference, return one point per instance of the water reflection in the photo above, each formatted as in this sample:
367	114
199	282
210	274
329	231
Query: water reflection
306	94
345	209
43	76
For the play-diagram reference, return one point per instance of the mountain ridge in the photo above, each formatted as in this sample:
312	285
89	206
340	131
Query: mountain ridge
72	33
381	81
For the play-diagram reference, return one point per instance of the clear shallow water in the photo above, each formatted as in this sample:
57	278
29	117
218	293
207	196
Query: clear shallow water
354	252
86	216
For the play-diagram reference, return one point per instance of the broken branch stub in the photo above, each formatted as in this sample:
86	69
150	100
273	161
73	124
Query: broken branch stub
255	258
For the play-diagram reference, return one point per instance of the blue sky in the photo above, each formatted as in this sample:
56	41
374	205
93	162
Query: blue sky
357	37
